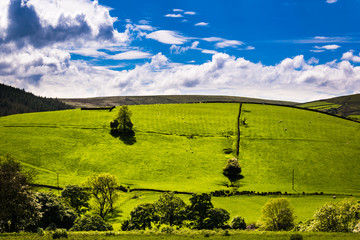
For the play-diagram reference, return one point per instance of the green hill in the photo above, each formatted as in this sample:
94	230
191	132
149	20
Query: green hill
346	106
181	147
14	101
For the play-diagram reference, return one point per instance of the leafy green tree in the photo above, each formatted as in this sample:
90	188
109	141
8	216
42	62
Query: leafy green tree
232	170
122	123
198	209
54	212
277	214
238	223
103	189
171	209
77	198
91	223
142	216
19	208
337	217
216	218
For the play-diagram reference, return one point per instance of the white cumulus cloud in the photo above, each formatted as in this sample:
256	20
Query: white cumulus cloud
171	15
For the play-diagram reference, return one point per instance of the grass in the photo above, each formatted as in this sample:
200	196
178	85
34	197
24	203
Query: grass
181	147
322	150
170	140
319	105
243	235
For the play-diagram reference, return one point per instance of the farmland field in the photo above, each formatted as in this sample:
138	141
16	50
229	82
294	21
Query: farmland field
181	147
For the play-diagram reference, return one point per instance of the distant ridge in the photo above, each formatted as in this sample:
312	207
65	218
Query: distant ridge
346	106
15	101
164	99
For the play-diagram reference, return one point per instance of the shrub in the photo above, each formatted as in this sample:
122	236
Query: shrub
217	218
77	198
60	233
91	223
40	232
232	170
277	214
337	217
238	223
167	229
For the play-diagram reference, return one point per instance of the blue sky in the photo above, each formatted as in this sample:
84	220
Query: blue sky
296	50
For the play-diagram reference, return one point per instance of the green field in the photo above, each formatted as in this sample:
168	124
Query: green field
243	235
181	147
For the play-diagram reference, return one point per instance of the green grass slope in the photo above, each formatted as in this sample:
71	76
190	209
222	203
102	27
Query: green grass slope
322	150
346	106
77	143
181	147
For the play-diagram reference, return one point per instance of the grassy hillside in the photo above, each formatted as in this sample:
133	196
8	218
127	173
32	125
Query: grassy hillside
181	147
347	106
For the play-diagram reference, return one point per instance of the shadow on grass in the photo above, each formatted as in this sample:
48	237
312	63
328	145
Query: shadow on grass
114	215
127	137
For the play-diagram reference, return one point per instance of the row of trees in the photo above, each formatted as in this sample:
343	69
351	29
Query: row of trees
172	211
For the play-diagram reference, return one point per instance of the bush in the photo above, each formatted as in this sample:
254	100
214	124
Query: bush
40	232
60	233
296	237
167	229
91	223
238	223
217	218
277	214
337	217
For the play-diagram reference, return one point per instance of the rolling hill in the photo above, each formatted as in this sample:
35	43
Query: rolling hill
182	147
346	106
15	101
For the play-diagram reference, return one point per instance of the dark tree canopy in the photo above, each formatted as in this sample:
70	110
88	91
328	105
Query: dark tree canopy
122	123
232	170
54	212
19	208
171	209
77	198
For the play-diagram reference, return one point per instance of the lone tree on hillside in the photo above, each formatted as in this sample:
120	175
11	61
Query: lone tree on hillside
122	123
232	170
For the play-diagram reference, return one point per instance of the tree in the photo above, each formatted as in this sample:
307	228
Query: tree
103	189
277	214
232	170
142	216
122	123
171	209
77	198
54	212
198	210
19	208
216	218
337	217
238	223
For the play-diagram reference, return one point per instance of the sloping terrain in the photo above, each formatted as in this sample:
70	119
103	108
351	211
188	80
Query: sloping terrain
14	101
181	147
346	106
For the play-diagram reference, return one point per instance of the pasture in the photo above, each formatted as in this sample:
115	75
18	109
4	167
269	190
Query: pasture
181	147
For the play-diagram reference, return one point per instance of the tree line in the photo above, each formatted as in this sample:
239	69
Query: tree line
15	101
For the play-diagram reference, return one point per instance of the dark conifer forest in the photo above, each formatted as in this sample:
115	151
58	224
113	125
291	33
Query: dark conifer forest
14	101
